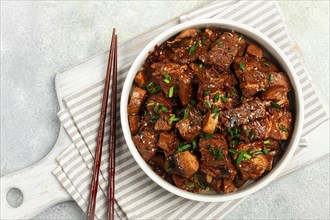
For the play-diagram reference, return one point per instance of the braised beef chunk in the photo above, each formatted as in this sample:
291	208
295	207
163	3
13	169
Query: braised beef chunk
280	124
168	142
191	126
279	79
245	113
158	164
276	125
209	111
214	161
146	142
141	79
134	123
189	184
185	163
223	51
137	99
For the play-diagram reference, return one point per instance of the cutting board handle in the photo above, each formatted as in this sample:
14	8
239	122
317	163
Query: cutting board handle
38	185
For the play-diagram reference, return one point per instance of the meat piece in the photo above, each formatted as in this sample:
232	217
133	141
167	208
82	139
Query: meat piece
185	89
254	167
185	163
278	94
168	142
252	73
162	125
141	79
146	142
137	99
212	34
191	127
157	164
217	185
223	52
227	185
279	124
210	122
246	113
190	184
279	79
254	50
239	181
134	123
190	32
214	159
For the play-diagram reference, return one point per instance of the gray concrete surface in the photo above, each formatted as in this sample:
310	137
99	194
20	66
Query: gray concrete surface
38	39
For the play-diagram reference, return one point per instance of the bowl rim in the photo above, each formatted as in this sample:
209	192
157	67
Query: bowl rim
272	49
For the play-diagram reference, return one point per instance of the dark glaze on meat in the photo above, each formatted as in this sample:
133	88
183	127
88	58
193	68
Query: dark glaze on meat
209	111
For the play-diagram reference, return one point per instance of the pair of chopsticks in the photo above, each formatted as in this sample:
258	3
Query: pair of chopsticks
112	67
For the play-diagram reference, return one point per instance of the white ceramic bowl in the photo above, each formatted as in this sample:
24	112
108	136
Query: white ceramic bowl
278	56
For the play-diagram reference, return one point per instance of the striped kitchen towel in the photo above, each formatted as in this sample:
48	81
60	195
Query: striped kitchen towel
137	196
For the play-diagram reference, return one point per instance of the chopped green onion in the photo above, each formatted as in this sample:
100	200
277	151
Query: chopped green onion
215	115
207	104
155	89
219	43
167	81
234	90
228	95
150	85
206	136
266	64
169	169
192	102
234	142
150	104
247	130
156	108
170	121
216	97
275	105
242	98
265	150
185	113
201	65
242	66
283	128
212	150
194	144
223	99
233	151
201	184
271	77
240	38
167	76
229	50
145	112
247	156
249	150
203	40
190	185
192	49
195	176
154	118
240	157
177	119
257	153
164	109
184	147
220	154
215	110
266	142
252	136
171	92
207	92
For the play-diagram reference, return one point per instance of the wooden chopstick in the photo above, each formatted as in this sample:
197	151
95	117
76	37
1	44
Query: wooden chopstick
100	135
112	143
